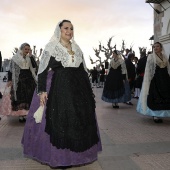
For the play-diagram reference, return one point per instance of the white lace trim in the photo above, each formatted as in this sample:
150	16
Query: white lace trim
55	49
115	64
148	76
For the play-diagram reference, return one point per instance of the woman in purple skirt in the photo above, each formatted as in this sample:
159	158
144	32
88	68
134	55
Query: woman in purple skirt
68	134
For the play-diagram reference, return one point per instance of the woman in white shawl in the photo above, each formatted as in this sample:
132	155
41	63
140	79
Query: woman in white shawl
68	134
154	98
21	85
116	89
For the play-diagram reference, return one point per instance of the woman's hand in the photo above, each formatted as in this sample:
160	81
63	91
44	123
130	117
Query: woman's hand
43	98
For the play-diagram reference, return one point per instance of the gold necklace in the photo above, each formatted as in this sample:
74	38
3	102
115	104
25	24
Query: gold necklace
71	52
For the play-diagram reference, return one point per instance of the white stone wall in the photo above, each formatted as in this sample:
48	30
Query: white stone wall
164	38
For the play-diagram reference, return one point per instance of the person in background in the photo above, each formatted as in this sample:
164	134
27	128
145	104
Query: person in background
116	89
135	61
140	69
5	79
94	75
154	98
127	52
102	76
21	85
130	72
68	134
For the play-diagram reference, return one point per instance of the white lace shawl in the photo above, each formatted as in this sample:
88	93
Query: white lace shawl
115	64
15	66
151	63
55	49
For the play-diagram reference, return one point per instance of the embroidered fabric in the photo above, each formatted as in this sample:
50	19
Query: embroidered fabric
116	63
15	65
70	119
15	70
55	49
149	73
161	63
114	87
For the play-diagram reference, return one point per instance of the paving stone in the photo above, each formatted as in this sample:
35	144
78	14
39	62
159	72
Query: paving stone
130	141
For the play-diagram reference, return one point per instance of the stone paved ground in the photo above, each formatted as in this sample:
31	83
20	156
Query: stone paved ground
130	141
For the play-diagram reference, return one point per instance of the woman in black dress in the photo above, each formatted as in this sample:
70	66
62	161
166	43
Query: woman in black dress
22	80
154	98
116	89
68	134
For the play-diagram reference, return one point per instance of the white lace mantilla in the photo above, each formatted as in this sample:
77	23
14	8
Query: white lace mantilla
55	49
60	53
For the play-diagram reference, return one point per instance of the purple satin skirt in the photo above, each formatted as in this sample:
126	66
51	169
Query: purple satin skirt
36	142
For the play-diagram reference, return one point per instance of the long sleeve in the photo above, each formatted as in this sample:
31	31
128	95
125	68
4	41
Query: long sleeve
42	77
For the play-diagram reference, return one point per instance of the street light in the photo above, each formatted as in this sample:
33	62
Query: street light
152	40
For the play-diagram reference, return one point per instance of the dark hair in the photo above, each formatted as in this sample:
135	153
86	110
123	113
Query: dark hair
23	45
143	54
61	23
158	43
131	55
116	52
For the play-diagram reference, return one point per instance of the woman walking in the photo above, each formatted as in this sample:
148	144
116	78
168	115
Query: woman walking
116	89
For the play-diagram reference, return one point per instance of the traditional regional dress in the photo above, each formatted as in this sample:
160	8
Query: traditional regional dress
17	99
154	98
115	89
68	134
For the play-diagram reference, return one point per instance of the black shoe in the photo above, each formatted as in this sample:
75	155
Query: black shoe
136	97
157	120
22	119
129	103
61	167
115	106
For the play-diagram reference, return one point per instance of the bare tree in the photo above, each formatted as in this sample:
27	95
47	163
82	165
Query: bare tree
142	51
108	51
15	51
35	53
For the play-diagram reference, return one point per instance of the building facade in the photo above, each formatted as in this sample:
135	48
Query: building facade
161	24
